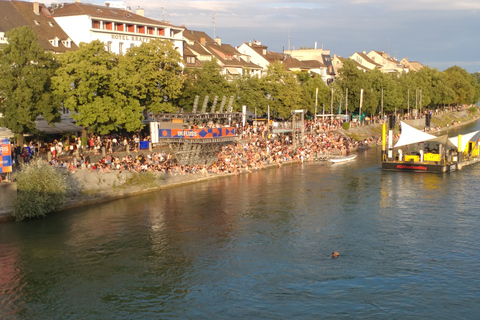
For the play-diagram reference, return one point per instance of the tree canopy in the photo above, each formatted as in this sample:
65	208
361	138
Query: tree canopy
110	92
153	74
202	82
25	82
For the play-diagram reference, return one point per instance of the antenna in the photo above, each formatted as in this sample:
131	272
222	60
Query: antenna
388	46
214	26
163	14
288	39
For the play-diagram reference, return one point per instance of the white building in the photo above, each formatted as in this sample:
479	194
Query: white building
114	25
258	54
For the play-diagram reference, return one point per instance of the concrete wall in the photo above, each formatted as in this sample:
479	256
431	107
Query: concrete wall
8	192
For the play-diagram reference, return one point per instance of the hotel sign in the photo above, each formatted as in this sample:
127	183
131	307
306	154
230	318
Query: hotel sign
130	38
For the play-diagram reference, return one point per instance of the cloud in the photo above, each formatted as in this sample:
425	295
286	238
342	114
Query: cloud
423	30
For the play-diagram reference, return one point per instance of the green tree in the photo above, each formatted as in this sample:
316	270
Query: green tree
442	93
349	76
25	86
475	81
283	88
251	93
153	75
93	86
204	81
407	87
460	81
309	88
423	90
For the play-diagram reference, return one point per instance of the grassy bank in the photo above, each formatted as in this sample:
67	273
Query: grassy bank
444	121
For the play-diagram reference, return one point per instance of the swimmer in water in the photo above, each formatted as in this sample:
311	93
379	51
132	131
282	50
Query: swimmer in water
334	255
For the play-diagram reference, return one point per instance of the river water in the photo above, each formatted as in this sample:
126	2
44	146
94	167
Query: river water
257	246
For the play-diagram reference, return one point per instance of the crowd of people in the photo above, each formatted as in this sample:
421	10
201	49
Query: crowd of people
258	148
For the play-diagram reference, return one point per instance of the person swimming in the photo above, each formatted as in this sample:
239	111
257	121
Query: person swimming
334	255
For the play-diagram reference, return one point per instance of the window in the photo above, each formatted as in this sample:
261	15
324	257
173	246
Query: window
120	48
191	60
67	43
161	32
141	29
131	28
54	42
109	46
108	25
119	27
36	22
50	24
95	24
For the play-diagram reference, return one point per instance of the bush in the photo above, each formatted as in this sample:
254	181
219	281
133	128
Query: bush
84	141
346	125
41	189
473	110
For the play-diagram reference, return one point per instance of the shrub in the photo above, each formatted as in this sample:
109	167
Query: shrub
41	189
346	125
84	141
142	179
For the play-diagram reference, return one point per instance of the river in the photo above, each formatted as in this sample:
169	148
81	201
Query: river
257	246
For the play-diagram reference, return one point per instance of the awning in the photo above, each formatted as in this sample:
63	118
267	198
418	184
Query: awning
410	135
472	136
443	140
233	71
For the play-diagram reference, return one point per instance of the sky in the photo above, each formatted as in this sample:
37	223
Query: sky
437	33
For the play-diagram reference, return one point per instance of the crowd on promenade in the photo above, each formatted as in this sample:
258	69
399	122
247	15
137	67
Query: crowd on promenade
257	148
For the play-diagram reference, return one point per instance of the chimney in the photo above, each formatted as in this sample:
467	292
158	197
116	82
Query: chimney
36	8
203	40
218	41
77	1
140	12
364	52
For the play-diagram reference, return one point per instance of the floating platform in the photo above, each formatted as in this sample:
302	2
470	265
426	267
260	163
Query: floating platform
418	151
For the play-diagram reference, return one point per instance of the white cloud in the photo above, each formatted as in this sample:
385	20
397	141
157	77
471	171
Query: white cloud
423	30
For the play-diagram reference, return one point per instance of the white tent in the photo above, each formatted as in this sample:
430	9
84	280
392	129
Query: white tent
472	136
410	135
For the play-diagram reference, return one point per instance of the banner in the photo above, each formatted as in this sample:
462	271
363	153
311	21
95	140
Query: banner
5	156
196	133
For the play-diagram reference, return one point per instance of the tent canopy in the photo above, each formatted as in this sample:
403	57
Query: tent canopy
410	135
472	136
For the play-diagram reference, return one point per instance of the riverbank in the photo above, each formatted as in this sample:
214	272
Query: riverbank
88	188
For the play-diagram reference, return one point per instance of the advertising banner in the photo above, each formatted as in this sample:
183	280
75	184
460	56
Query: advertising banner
196	133
5	156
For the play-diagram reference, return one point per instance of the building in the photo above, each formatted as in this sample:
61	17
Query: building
204	48
338	62
258	54
323	56
51	36
411	65
114	25
313	67
362	59
388	64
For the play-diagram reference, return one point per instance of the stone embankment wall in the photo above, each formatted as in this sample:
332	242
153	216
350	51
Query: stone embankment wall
8	192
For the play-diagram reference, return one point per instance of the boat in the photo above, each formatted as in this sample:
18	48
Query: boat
343	159
419	151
